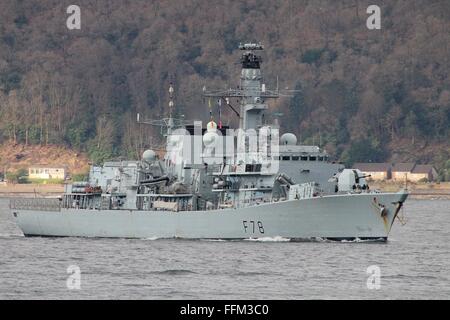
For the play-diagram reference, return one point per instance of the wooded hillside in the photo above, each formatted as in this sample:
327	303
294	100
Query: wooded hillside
365	95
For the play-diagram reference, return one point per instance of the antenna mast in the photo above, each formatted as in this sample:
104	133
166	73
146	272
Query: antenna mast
170	122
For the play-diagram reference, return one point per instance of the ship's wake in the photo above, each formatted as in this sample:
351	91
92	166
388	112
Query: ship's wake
279	239
269	239
358	240
150	238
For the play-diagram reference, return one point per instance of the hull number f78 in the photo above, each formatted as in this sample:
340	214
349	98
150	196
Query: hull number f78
251	226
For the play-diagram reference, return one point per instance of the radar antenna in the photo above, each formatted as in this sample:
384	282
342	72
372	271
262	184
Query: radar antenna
169	123
251	92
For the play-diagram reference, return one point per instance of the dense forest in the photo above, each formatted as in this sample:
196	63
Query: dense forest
364	95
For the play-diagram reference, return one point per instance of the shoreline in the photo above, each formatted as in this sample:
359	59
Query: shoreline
417	190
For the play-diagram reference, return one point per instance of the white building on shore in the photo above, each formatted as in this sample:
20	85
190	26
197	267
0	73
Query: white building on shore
47	172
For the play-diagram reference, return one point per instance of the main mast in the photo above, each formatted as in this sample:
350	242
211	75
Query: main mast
251	91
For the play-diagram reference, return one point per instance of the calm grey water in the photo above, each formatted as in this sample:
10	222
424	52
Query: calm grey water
414	264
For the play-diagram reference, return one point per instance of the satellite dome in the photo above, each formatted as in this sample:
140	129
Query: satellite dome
211	126
209	138
288	139
149	155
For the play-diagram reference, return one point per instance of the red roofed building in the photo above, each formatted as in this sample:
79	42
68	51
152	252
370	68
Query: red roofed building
401	170
423	172
377	171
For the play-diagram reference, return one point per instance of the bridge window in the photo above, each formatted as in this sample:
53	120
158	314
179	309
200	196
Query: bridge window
312	158
285	158
295	158
253	168
320	158
304	158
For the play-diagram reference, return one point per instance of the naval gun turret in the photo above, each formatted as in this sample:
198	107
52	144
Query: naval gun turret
352	180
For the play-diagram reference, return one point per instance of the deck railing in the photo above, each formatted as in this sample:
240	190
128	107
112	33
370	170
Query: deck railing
40	204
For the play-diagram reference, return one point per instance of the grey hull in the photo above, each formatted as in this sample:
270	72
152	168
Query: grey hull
332	217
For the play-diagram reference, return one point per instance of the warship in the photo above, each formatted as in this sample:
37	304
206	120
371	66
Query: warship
215	182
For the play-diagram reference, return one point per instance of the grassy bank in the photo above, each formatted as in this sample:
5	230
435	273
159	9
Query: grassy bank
30	190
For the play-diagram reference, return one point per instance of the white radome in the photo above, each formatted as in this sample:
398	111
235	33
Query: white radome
209	138
211	126
288	139
149	155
